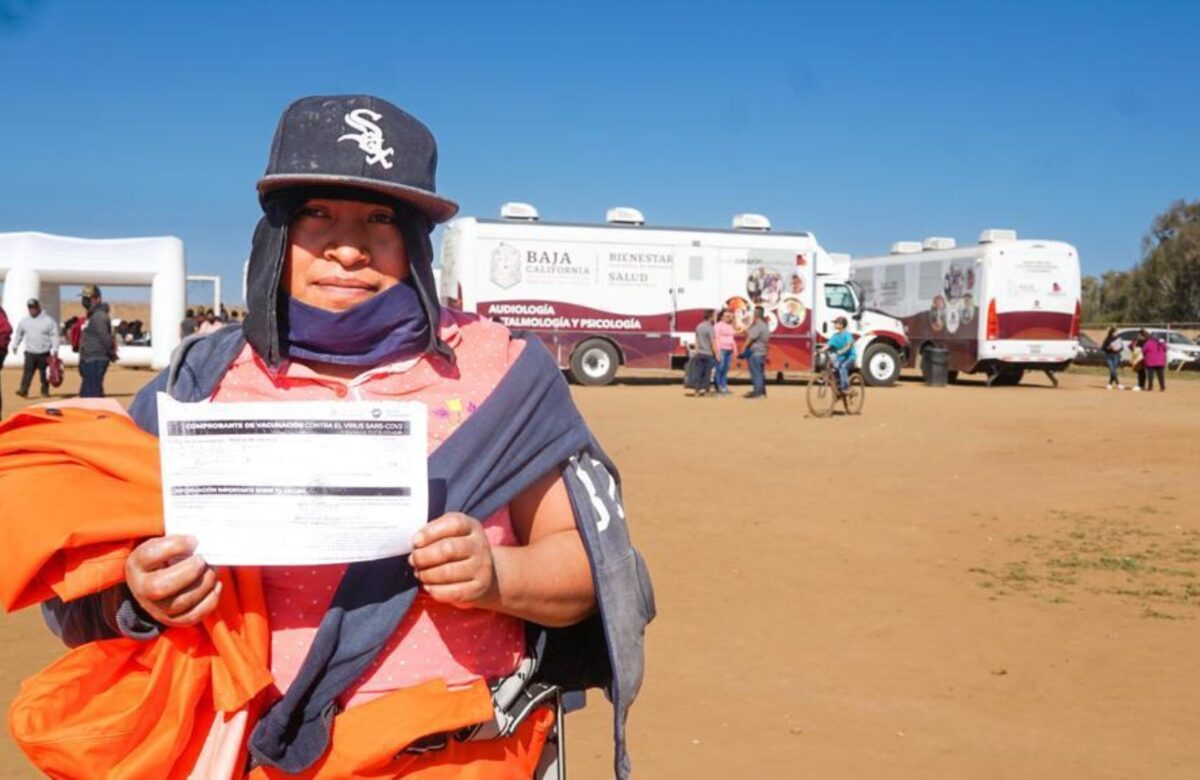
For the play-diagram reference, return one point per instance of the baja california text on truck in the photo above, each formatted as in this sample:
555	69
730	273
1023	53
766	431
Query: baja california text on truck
1001	307
624	293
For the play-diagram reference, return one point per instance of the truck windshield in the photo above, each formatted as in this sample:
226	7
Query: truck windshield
838	296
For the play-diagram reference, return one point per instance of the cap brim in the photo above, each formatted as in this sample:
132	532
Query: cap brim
437	208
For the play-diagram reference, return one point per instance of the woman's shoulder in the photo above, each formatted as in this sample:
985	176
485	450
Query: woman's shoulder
473	336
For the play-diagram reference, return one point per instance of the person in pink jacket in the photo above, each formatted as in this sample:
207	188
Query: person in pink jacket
1154	358
723	338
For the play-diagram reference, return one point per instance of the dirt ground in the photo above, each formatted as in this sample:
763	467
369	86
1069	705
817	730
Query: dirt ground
962	582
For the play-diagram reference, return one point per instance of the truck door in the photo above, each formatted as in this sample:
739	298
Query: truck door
834	299
694	288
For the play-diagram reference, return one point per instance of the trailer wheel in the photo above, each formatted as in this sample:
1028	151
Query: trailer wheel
882	365
594	362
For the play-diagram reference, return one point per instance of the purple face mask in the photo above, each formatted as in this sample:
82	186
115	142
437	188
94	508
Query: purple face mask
389	326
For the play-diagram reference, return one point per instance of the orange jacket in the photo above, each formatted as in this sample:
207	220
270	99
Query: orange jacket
122	708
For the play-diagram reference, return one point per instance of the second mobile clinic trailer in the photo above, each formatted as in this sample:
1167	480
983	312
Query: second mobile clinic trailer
624	293
1001	307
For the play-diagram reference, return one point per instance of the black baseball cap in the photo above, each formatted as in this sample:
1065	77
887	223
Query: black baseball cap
32	302
356	141
89	291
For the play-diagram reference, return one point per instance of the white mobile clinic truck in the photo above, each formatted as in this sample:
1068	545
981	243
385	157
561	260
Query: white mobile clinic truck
1002	306
624	293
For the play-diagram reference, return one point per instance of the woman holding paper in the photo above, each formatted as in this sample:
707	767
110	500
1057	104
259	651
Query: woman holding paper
527	531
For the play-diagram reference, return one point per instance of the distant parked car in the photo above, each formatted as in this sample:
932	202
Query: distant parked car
1088	352
1180	349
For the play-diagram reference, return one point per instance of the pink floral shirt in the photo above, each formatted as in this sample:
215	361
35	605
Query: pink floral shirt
434	640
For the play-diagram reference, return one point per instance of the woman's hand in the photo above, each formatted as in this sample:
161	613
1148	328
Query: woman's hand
172	585
453	560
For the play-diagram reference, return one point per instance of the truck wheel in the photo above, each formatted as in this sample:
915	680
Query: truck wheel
881	364
1008	377
594	362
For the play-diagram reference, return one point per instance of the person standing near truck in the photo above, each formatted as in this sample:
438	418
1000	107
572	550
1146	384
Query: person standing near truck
758	335
39	331
705	354
725	344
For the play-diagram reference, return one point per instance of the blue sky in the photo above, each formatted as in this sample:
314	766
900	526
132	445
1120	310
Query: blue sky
863	122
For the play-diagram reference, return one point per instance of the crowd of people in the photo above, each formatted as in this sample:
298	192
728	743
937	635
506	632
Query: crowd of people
1147	356
91	336
711	358
711	355
713	351
205	321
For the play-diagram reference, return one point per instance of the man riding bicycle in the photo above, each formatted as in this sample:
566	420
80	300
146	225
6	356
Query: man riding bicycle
841	350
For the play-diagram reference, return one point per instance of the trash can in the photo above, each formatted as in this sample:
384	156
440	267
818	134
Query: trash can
935	367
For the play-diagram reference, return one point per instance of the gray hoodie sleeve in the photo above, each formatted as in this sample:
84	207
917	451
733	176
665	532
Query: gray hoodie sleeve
105	615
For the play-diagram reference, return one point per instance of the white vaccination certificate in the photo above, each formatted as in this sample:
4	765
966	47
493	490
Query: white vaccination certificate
294	483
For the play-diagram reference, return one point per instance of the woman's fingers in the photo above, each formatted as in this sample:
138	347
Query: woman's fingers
443	551
451	537
459	594
448	525
453	560
169	582
165	584
191	595
157	553
449	573
200	611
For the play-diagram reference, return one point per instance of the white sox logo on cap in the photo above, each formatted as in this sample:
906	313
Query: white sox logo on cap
393	153
369	136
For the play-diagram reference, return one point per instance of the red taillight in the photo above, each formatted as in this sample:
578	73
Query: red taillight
1076	319
993	322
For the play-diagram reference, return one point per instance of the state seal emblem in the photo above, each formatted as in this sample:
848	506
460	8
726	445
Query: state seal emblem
506	266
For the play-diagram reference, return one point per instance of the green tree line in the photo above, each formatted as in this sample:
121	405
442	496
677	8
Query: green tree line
1165	284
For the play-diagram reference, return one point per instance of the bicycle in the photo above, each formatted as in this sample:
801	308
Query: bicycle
823	392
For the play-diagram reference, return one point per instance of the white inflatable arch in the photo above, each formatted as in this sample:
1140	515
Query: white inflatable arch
33	265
